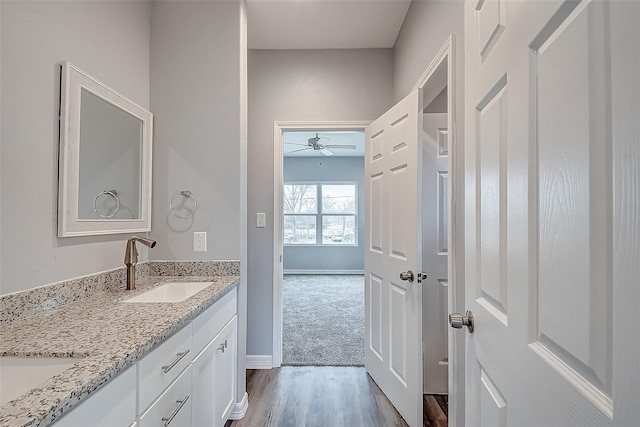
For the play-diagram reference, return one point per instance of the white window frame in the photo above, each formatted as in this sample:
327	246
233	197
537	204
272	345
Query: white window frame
320	215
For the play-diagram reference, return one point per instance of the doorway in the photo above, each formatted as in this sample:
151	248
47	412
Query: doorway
442	235
435	170
323	253
317	245
396	274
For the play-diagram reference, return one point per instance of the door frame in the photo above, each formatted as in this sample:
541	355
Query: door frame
431	76
278	239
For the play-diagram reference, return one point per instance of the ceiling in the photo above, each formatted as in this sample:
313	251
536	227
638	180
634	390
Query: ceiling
324	24
292	138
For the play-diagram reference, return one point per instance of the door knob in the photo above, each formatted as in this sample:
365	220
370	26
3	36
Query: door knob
407	275
457	320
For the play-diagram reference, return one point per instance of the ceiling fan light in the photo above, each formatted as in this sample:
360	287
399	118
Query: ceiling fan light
351	147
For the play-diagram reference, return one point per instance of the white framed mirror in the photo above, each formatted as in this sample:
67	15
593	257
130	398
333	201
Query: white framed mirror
105	159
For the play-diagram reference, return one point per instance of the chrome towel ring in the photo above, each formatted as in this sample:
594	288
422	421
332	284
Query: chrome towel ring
182	204
114	195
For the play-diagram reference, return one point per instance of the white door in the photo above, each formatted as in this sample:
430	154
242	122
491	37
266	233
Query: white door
552	212
435	210
393	307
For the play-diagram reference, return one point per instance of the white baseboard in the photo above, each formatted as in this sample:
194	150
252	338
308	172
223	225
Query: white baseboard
294	271
259	361
240	409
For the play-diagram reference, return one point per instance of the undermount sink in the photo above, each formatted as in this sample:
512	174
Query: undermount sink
21	374
170	292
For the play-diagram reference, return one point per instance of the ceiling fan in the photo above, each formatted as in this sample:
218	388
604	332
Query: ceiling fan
314	144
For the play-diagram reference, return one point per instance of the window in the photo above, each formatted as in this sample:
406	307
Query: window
320	214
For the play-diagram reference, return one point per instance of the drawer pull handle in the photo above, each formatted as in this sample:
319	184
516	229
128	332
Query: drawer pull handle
167	368
223	346
167	420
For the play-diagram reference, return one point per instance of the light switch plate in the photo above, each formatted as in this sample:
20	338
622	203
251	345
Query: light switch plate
200	241
261	220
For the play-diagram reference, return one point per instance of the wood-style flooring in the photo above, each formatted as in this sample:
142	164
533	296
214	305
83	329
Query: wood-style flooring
434	410
316	397
325	397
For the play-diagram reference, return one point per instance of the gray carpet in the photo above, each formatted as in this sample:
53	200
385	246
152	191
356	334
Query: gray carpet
323	320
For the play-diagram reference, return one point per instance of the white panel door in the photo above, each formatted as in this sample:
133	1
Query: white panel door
393	307
435	250
552	212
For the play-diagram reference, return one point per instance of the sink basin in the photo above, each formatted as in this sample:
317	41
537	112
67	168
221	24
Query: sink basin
170	292
21	374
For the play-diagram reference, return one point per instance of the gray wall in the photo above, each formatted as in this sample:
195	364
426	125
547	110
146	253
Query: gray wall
424	31
298	85
195	98
109	40
137	48
1	134
296	169
198	97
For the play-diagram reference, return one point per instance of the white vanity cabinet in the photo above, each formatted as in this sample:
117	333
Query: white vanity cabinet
188	380
215	366
112	405
204	354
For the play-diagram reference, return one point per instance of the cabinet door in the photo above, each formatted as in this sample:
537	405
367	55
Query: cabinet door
112	405
204	385
214	379
224	371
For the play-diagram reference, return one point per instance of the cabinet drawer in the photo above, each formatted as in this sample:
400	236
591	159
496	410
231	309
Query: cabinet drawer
173	407
162	365
209	323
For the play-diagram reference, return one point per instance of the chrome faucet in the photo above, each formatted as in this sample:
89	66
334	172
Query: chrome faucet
131	258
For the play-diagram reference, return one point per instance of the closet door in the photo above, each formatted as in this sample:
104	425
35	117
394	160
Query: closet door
393	255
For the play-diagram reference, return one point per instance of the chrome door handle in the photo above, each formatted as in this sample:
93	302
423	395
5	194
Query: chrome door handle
179	356
167	420
457	320
407	275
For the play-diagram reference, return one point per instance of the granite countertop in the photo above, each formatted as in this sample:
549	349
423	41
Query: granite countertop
106	336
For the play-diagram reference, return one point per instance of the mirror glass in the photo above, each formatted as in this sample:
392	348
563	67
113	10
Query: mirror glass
110	147
105	159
